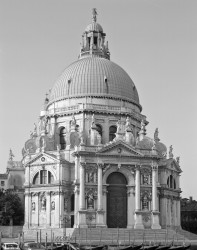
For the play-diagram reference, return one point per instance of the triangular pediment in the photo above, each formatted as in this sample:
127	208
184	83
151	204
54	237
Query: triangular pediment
43	158
173	165
119	148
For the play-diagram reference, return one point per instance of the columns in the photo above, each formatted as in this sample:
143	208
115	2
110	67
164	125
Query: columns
76	168
100	212
61	208
100	188
154	188
179	213
82	187
137	189
57	209
48	209
155	212
138	215
38	208
82	207
27	209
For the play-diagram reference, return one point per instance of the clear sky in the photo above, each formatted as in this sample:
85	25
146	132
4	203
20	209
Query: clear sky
155	41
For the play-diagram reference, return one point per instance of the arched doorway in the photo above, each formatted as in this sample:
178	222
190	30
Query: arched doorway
116	201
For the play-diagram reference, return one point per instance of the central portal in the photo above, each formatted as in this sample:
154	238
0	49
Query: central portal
116	201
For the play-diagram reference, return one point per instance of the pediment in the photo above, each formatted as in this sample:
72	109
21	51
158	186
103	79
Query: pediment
119	148
43	158
173	165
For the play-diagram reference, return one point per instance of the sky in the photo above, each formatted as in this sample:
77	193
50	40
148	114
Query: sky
155	41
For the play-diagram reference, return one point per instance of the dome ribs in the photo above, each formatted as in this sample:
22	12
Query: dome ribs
87	77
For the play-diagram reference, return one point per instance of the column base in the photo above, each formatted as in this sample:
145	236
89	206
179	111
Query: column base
155	220
138	220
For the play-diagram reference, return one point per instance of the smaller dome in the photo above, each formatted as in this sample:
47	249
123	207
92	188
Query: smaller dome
147	143
94	27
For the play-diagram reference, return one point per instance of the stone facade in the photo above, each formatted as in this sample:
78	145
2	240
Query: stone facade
88	162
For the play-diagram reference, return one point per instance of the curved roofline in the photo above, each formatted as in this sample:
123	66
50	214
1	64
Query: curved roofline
110	96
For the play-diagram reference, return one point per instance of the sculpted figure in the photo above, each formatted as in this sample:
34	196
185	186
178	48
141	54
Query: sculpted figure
11	155
43	203
90	200
53	205
170	152
33	206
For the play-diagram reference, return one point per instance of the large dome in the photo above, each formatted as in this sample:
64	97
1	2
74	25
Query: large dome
94	76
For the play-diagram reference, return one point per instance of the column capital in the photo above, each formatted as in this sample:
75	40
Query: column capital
83	164
154	167
137	167
100	165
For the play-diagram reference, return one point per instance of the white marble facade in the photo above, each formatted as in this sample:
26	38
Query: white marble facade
89	162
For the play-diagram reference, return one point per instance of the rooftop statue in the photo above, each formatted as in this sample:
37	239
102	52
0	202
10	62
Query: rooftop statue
94	14
170	152
156	138
11	155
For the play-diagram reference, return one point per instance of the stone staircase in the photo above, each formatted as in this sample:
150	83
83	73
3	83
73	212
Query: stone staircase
125	236
111	236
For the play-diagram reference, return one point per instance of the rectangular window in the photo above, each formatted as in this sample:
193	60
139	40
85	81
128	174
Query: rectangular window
2	183
43	177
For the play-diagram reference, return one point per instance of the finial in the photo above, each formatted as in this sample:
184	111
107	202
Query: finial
94	14
46	98
156	138
11	155
170	152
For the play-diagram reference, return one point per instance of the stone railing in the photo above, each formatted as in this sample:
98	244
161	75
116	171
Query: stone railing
96	107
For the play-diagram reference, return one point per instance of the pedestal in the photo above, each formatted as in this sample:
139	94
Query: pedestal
138	220
82	219
100	218
155	220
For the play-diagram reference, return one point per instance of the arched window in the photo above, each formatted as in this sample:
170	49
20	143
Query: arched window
63	138
168	182
171	181
43	177
99	129
112	131
36	179
174	184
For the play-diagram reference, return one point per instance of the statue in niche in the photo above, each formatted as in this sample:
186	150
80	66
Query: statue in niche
33	206
66	204
90	201
91	177
43	203
53	205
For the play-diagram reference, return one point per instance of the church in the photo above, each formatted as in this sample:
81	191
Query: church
88	161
